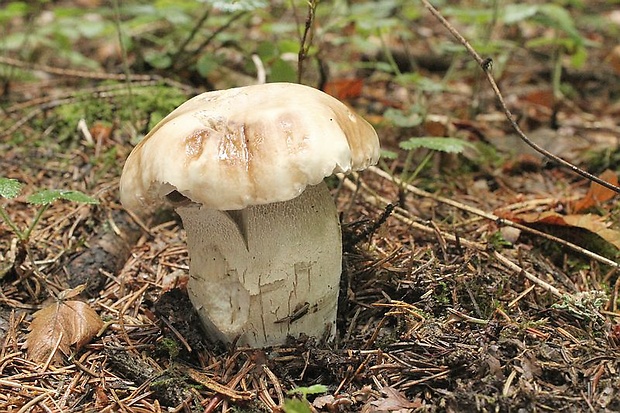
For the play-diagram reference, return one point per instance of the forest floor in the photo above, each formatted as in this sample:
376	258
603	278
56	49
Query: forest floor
492	285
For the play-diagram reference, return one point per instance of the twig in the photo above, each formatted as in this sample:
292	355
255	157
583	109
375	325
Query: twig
26	407
508	383
95	92
46	103
520	296
402	215
306	39
72	72
545	285
413	383
466	317
125	62
198	51
218	388
500	221
486	65
11	384
192	34
276	384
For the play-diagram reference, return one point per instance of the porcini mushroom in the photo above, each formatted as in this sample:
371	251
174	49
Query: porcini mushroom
244	169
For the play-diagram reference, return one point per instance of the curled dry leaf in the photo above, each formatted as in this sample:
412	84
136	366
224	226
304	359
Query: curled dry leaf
598	193
590	222
62	324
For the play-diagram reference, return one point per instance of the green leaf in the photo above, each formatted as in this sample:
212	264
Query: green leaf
282	71
288	46
450	145
47	196
559	17
296	406
314	389
206	64
158	60
403	120
79	197
387	154
13	9
470	15
9	188
232	6
579	57
514	13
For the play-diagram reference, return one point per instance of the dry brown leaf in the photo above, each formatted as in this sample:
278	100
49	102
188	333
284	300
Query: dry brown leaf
590	222
542	97
62	324
394	401
598	193
344	89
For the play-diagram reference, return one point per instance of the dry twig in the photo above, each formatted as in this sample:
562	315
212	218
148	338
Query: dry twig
486	65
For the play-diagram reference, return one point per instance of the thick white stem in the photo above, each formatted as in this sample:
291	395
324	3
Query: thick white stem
267	271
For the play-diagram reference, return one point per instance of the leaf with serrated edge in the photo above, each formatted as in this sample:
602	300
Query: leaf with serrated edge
9	188
44	197
47	196
77	196
64	323
450	145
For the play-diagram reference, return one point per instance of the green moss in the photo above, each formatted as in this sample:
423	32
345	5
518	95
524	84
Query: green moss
169	346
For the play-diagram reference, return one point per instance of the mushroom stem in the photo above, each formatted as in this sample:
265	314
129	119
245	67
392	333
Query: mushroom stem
267	271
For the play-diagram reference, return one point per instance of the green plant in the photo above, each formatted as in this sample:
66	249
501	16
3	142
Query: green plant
497	241
301	405
562	42
433	144
585	305
10	188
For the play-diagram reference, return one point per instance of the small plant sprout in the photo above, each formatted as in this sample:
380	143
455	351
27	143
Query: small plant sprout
296	405
11	188
433	144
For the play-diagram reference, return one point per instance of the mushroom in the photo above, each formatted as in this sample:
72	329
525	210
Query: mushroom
244	169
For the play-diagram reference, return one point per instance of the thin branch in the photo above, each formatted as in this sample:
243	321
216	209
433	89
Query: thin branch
84	74
192	34
486	65
126	69
306	39
403	216
500	221
194	54
39	105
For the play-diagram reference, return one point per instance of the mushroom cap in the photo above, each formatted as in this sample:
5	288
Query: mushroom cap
246	146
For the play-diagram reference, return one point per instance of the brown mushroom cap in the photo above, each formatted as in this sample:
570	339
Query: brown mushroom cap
247	146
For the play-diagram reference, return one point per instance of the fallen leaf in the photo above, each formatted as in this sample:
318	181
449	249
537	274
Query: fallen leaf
598	193
344	89
101	131
62	324
394	401
590	222
544	97
331	403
